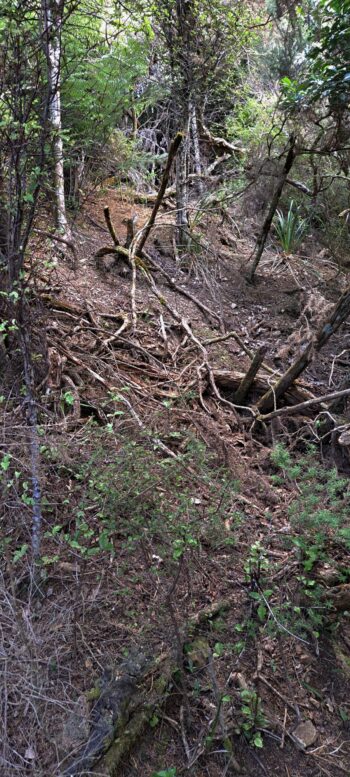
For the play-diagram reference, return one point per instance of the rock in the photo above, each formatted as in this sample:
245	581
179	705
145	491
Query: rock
304	734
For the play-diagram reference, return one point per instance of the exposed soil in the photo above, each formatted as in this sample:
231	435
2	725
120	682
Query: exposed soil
92	610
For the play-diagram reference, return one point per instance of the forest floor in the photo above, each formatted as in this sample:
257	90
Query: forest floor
151	546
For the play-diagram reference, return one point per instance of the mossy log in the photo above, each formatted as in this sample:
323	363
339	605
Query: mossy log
129	734
124	700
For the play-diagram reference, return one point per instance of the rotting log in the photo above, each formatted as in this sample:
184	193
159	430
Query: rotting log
229	380
248	380
139	719
133	711
338	315
62	305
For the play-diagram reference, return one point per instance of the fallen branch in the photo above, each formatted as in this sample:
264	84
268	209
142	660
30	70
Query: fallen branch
154	266
338	315
59	239
220	143
303	405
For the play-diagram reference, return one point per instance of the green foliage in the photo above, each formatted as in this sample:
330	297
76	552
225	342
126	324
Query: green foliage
319	516
290	228
319	512
99	87
137	496
251	717
251	120
165	773
327	72
319	532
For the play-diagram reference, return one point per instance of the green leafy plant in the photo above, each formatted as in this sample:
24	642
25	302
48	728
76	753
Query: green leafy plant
165	773
290	228
320	527
251	717
139	496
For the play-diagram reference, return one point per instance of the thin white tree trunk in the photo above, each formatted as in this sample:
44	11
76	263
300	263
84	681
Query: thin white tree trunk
182	225
52	21
196	146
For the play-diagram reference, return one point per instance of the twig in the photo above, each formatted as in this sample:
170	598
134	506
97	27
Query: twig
195	340
183	734
272	688
284	728
221	338
154	266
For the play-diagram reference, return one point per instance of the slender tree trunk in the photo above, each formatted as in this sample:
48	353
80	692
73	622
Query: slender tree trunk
182	223
196	146
173	150
52	11
260	245
4	225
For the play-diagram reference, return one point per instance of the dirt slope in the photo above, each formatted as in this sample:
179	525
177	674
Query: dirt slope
99	388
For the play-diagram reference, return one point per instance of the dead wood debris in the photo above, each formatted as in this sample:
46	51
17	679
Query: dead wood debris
208	379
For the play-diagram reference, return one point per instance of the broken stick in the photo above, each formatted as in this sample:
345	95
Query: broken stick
249	378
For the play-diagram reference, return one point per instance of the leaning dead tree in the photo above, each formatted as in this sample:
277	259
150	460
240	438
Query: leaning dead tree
175	144
261	241
338	315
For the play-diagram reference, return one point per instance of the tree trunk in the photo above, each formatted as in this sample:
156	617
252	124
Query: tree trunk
196	146
260	244
173	150
4	225
182	223
52	11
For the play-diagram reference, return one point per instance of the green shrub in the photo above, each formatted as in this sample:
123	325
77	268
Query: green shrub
290	229
135	494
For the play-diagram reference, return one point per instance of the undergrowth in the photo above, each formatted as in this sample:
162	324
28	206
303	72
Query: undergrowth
319	534
123	493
